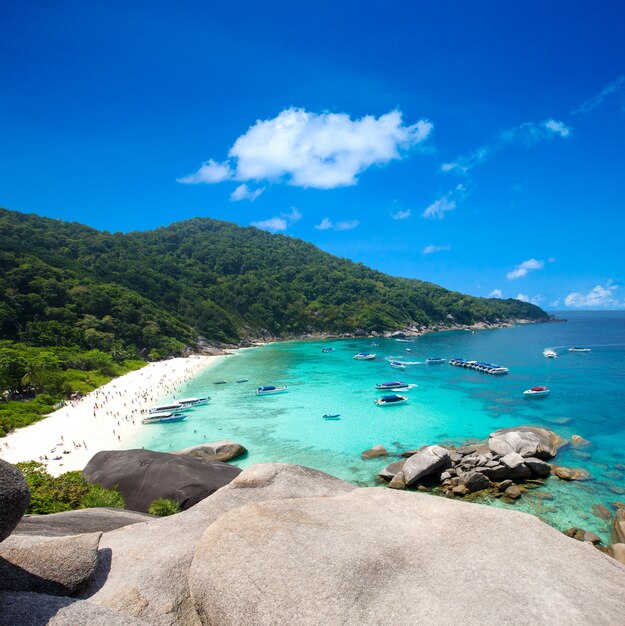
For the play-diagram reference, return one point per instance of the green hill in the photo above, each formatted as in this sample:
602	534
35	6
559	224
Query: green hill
68	284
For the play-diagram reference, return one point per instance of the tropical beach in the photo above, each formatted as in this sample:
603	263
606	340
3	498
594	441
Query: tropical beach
108	418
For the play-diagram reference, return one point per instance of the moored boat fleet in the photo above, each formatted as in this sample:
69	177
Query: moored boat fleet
479	366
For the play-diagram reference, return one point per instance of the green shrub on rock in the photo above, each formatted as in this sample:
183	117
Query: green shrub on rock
164	507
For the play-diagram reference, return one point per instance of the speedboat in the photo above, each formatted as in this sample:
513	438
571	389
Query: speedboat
163	418
393	384
267	390
324	350
364	356
374	344
164	408
435	360
550	354
398	365
537	392
574	349
220	382
333	416
193	401
389	400
241	380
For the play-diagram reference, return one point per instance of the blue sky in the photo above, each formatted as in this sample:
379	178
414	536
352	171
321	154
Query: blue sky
475	145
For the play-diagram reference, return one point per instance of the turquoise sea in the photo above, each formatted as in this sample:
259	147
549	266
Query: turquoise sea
448	405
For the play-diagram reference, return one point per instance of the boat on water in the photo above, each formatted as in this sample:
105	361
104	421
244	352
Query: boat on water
391	400
364	356
398	365
435	360
487	368
168	408
374	344
187	402
241	380
393	384
163	418
550	354
403	340
332	416
267	390
576	349
537	392
220	382
325	350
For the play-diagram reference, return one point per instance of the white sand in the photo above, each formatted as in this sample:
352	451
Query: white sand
108	418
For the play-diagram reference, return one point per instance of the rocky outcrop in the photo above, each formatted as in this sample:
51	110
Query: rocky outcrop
14	498
374	453
582	535
619	526
35	609
143	569
52	565
528	441
225	450
391	470
570	473
424	463
143	476
383	555
78	522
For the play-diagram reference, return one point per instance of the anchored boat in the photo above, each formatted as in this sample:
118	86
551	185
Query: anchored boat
487	368
537	392
393	384
169	408
163	418
391	400
435	360
267	390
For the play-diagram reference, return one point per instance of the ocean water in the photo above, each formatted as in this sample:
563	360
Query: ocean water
447	405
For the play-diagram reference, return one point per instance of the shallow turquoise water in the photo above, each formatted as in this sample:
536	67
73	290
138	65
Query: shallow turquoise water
448	405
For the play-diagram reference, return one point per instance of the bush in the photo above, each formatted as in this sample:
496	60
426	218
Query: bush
164	507
67	492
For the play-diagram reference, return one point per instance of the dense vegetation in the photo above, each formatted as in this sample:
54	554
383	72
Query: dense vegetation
78	306
67	492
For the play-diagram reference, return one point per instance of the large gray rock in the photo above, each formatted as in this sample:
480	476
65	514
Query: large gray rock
37	609
528	441
143	476
78	522
425	462
538	467
143	568
215	451
474	481
391	470
14	498
379	556
511	460
57	566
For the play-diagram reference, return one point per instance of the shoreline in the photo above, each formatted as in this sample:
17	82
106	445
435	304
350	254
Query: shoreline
108	418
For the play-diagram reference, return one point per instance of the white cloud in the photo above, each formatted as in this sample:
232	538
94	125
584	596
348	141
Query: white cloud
279	223
273	224
525	298
599	297
446	203
322	151
243	192
347	225
327	224
401	215
522	269
595	101
432	249
210	172
496	293
528	133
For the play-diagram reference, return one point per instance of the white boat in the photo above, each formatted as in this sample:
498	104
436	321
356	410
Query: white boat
575	349
393	384
374	344
332	416
165	408
550	354
391	400
267	390
193	401
435	360
163	418
398	365
537	392
364	356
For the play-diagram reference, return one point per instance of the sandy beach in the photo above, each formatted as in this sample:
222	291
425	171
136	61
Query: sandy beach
108	418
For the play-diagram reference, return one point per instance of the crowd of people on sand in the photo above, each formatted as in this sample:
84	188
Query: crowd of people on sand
120	405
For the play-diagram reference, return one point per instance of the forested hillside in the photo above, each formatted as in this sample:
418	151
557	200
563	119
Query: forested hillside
70	285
